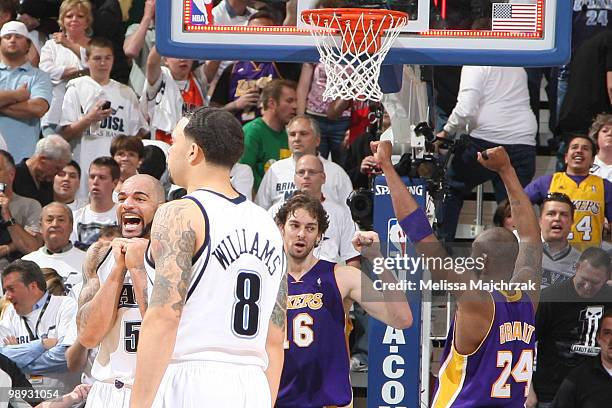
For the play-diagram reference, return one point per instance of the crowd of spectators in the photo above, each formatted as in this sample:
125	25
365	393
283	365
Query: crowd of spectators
86	102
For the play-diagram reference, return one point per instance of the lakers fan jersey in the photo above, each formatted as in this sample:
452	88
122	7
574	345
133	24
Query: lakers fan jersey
116	359
588	198
235	279
498	373
316	367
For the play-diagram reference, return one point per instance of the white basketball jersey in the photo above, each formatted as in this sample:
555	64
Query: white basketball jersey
116	357
235	279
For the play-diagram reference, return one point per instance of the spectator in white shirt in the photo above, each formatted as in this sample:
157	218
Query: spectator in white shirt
63	57
66	184
127	152
58	253
40	327
277	184
101	210
335	245
601	133
97	109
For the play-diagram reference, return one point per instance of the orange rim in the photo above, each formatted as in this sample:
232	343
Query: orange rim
379	17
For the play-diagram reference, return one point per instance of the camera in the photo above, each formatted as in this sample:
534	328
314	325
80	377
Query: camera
2	187
106	105
421	161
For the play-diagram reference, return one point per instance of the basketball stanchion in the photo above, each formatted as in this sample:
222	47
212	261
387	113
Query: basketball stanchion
353	44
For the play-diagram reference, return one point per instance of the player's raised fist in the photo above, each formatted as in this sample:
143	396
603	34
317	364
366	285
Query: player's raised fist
495	159
382	151
134	253
367	243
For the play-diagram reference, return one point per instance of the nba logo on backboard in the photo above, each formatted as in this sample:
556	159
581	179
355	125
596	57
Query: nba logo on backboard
201	12
396	239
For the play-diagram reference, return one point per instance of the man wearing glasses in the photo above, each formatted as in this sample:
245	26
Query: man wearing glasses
590	194
335	245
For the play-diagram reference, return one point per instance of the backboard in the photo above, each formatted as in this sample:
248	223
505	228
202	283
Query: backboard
439	32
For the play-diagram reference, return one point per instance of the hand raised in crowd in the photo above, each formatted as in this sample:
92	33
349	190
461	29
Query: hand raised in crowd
97	113
149	10
495	159
5	212
248	100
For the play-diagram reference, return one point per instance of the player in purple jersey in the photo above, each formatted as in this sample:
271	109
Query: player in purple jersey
488	358
316	366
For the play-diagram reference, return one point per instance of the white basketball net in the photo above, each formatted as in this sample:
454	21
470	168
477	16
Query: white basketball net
351	55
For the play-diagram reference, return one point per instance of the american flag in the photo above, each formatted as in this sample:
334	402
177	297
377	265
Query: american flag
514	17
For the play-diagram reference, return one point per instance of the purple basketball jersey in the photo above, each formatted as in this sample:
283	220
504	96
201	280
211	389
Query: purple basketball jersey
248	76
498	373
316	368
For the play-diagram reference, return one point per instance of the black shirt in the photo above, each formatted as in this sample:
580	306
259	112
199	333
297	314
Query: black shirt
587	386
565	337
25	186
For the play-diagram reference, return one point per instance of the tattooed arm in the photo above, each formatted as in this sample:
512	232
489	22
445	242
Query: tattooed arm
173	243
276	338
98	302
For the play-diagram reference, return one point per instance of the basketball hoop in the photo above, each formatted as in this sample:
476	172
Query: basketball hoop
353	63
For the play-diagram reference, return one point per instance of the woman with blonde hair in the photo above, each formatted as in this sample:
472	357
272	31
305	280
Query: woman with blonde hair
63	56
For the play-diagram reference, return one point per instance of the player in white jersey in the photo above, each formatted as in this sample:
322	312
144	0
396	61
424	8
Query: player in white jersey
113	297
219	294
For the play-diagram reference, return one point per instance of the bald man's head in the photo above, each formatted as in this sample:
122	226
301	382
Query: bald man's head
309	175
500	247
139	198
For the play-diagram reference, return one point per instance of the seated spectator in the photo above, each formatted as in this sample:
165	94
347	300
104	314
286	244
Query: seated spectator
59	253
97	109
66	184
335	245
265	138
63	57
127	152
34	176
601	132
19	217
26	92
171	92
493	107
591	195
41	327
503	216
139	39
101	210
55	283
239	87
590	384
559	257
304	138
566	323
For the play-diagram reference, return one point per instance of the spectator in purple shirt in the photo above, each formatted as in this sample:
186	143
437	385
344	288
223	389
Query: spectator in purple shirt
591	195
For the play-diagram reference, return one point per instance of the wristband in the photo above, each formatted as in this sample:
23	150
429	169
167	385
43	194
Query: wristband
416	225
